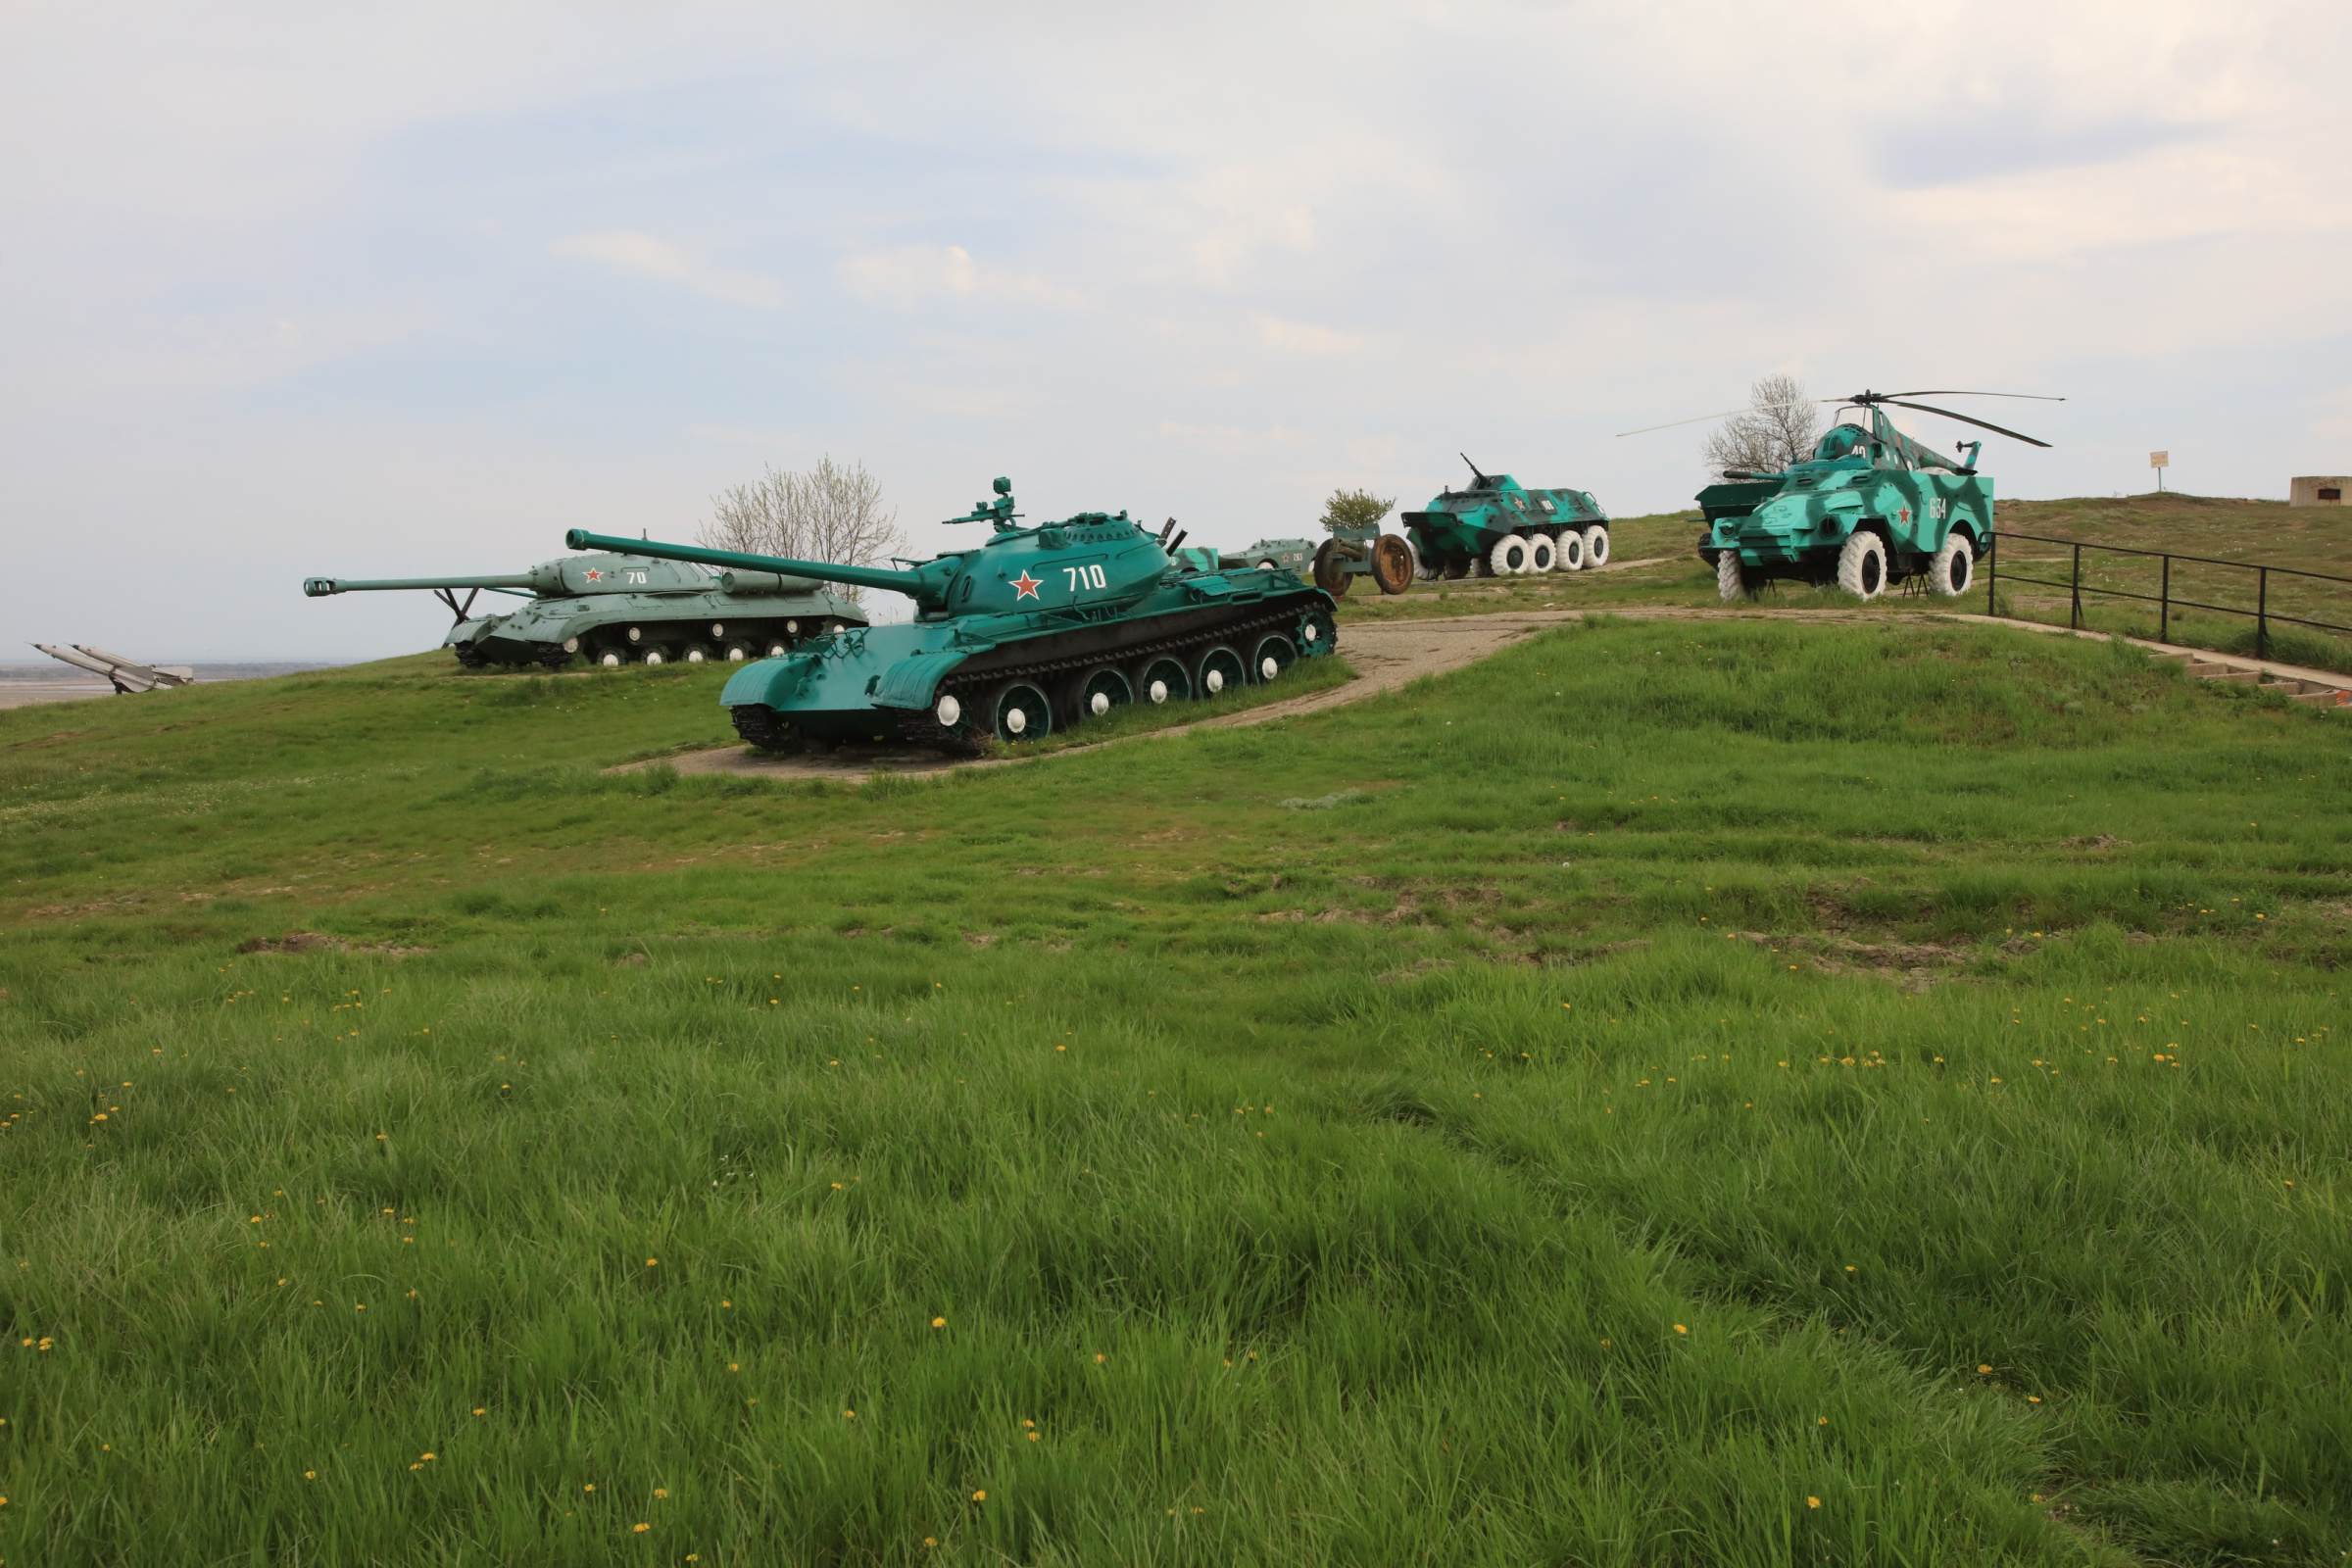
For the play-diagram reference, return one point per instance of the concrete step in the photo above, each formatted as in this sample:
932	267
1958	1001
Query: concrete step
2324	698
2235	677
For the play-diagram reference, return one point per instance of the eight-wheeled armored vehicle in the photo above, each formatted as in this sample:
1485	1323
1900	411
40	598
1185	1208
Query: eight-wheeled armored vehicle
1500	528
1030	631
1869	508
624	609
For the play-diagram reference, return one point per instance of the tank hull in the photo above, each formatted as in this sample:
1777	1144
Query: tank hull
936	684
667	629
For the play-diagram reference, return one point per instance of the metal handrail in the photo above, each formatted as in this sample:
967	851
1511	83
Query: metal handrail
2163	599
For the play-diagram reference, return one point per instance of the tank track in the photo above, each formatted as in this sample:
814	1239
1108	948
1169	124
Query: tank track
920	726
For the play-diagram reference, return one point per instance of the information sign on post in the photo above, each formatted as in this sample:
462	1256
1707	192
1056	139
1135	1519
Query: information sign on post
2160	461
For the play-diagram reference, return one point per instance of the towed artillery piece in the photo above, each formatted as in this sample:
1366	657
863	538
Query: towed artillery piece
1500	528
1033	631
1870	506
622	609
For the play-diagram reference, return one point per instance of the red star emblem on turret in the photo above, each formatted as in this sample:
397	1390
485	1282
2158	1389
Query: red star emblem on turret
595	576
1025	586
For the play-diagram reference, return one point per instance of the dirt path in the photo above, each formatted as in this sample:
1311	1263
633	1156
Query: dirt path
1386	655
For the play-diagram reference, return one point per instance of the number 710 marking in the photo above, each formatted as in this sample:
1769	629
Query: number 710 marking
1083	577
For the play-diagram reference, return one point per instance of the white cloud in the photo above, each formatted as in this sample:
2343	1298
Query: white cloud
911	275
1298	337
645	256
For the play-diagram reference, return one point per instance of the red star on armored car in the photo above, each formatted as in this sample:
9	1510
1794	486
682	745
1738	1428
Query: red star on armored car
595	576
1025	586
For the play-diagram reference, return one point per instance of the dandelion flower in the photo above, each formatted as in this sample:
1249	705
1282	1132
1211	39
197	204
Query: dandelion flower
1812	1503
939	1322
590	1487
979	1496
640	1527
660	1491
1986	1367
652	1262
1679	1329
481	1412
309	1474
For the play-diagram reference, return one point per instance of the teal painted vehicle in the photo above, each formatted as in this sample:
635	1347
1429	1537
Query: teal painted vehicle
1870	506
620	610
1500	528
1034	631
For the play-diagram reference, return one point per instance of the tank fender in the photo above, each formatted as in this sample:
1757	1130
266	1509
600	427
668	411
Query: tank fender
769	682
909	682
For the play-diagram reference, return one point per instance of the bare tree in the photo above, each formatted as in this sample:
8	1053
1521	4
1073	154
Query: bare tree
1781	427
830	512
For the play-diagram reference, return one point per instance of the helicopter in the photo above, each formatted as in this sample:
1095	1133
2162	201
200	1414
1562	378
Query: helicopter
1870	506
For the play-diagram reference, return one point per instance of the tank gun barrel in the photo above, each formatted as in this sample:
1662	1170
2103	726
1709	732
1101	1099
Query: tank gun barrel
914	585
320	587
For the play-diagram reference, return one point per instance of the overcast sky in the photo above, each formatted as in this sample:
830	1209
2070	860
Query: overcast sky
409	290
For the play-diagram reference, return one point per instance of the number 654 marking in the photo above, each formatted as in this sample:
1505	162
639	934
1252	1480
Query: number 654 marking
1083	577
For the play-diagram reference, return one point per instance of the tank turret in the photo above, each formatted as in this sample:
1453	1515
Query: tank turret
1031	629
621	608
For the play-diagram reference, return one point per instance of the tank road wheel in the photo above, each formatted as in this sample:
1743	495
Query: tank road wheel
1018	712
1318	633
1273	655
470	655
1219	670
1571	551
763	726
1508	558
1163	680
1097	692
1954	567
1392	563
1542	554
1596	546
1728	581
1862	565
1331	570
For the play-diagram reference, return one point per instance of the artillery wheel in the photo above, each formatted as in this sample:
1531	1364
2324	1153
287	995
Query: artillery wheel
1330	571
1273	655
1542	554
1508	558
1163	680
1729	582
1569	552
1018	712
1219	670
1393	563
1596	546
1862	565
1954	567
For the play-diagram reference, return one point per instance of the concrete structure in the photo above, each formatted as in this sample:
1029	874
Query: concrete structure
2318	490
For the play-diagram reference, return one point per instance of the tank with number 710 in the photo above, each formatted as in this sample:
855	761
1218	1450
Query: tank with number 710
1031	630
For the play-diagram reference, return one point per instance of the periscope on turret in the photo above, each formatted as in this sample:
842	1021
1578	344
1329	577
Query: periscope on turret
622	609
1034	629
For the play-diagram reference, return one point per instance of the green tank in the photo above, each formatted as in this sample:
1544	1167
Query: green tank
1033	631
1500	528
624	609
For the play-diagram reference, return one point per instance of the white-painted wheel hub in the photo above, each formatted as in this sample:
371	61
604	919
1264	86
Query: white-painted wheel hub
1314	632
1215	682
1159	691
1269	669
1101	704
948	713
1017	722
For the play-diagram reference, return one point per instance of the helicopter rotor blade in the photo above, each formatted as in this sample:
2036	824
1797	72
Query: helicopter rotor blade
1752	408
1965	420
1950	392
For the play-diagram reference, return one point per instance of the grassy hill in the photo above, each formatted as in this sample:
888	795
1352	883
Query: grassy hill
1729	1094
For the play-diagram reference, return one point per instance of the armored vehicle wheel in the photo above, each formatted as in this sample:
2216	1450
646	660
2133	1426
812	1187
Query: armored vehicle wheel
1508	558
1018	712
737	653
1862	567
1392	563
1272	656
1219	670
610	659
1954	567
1542	554
1456	568
1269	565
656	655
695	654
1596	546
1097	691
1571	547
777	650
1728	579
1331	570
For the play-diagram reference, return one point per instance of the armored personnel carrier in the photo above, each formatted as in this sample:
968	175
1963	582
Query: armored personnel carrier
1500	528
1030	631
624	609
1870	506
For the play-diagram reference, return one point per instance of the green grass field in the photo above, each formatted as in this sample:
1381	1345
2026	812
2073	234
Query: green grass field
1742	1093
